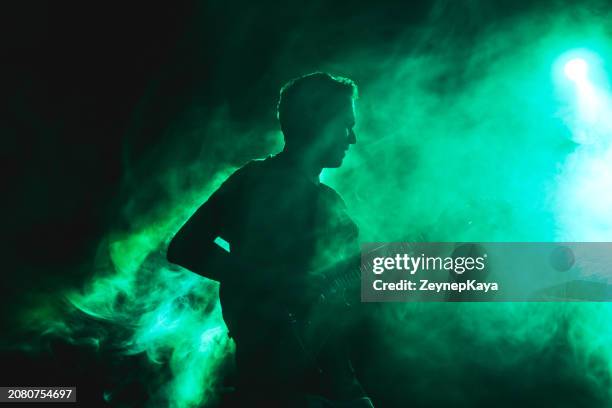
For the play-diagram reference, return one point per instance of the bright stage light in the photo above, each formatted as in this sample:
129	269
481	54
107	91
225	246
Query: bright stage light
576	69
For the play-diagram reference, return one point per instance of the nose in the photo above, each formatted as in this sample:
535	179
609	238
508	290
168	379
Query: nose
352	139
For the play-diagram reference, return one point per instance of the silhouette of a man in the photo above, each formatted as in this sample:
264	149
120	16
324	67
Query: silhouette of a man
288	233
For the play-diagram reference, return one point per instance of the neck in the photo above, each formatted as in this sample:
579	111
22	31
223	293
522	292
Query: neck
303	163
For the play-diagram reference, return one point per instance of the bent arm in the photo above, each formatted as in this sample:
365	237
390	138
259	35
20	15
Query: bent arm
193	246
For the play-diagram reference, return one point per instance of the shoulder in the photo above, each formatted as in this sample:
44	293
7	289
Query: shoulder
254	168
250	170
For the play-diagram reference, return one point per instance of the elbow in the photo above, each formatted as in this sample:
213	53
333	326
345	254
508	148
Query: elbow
173	254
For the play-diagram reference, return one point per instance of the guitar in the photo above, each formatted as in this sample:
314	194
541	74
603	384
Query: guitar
333	310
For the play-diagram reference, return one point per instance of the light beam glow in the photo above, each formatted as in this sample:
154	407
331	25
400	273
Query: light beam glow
576	69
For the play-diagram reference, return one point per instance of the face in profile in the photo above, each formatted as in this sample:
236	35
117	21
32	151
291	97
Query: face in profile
336	137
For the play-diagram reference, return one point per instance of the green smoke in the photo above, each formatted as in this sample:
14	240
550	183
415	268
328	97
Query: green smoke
460	138
473	142
171	315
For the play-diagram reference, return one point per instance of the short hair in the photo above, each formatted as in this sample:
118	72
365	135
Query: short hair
306	103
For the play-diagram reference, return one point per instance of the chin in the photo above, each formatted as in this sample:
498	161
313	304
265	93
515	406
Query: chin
334	160
333	164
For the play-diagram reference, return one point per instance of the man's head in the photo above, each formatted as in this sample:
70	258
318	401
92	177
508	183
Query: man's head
317	114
